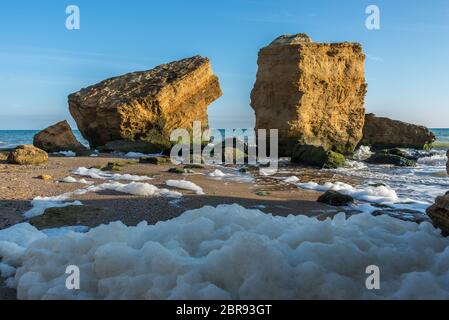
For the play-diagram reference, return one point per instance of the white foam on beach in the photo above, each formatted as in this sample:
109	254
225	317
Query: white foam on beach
137	155
230	252
218	174
292	179
98	174
40	204
374	194
135	188
185	185
70	179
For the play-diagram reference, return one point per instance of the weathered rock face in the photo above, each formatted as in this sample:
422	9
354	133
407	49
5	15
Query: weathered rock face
146	105
384	133
27	155
439	213
58	137
313	93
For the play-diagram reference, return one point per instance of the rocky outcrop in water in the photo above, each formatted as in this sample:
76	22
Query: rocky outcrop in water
394	157
317	157
27	155
439	212
335	198
58	137
148	105
312	92
385	133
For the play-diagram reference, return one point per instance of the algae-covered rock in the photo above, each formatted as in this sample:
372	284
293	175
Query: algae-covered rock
176	170
335	198
66	216
117	165
317	157
384	157
160	160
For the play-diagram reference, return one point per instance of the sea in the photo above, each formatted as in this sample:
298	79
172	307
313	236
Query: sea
409	188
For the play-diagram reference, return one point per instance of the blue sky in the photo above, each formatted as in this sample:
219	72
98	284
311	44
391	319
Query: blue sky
41	62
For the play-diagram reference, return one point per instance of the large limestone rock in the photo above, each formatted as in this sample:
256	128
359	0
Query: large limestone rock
27	155
312	92
146	105
58	137
385	133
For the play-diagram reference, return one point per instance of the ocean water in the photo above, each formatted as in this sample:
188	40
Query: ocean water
14	138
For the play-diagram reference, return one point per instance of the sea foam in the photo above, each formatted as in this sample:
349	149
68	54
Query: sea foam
230	252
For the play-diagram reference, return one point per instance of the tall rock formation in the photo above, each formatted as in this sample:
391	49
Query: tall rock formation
148	105
58	137
385	133
313	93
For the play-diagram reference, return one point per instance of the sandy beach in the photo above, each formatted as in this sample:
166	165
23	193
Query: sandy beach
20	185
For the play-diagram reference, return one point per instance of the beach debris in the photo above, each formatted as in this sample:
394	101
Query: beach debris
335	198
146	106
27	155
385	133
262	193
312	92
44	177
56	138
